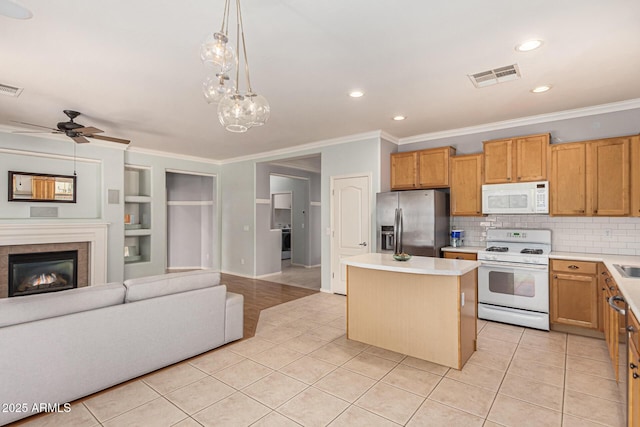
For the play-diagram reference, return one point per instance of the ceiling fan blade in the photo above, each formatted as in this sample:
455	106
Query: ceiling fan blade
109	138
38	126
88	130
80	139
32	131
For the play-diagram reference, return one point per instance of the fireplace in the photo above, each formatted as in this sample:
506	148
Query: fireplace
35	273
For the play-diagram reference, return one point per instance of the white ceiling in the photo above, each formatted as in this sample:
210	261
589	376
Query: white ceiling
133	68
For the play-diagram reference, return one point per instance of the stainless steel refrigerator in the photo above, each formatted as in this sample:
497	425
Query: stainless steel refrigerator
415	222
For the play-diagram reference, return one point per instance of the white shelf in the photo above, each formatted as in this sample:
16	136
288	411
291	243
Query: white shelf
138	232
137	199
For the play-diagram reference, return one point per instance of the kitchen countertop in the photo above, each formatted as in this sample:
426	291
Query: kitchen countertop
630	287
416	265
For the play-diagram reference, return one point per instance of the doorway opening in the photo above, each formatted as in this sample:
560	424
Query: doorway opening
192	226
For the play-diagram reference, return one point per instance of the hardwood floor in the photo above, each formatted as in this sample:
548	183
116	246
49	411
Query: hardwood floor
259	295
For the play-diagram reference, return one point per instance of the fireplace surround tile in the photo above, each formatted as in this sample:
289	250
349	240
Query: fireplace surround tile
83	260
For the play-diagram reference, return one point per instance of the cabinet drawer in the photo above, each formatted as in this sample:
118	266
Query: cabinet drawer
633	327
581	267
470	256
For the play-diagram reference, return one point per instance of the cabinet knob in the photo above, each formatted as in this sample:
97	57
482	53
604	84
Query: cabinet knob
459	257
612	288
630	328
519	178
635	375
581	211
633	365
595	211
555	276
573	267
508	178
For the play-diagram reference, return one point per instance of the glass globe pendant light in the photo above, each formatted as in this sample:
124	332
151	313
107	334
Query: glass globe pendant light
261	107
235	113
215	51
238	111
215	88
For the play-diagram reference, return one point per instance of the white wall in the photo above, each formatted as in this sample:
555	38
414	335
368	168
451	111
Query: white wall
159	166
99	169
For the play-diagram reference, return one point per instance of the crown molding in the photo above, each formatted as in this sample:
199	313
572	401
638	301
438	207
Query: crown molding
305	147
178	156
541	118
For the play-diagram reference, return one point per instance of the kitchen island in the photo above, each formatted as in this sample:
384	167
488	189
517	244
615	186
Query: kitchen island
424	307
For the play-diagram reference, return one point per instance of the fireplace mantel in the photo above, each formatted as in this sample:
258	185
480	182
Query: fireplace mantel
54	232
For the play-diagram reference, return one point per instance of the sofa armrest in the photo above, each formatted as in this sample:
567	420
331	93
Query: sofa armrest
234	317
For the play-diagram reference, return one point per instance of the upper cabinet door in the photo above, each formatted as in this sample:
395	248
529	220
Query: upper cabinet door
498	161
609	176
404	170
568	184
433	167
466	185
516	160
531	158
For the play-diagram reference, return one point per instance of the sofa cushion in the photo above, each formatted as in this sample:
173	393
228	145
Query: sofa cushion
43	306
167	284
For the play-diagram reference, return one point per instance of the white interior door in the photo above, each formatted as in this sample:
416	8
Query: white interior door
350	227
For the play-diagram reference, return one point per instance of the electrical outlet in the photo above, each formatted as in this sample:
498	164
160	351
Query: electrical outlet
242	261
462	300
607	232
245	228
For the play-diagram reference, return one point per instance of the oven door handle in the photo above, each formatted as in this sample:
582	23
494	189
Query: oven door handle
507	264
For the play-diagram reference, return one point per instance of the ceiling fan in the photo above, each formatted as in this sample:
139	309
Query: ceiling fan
75	131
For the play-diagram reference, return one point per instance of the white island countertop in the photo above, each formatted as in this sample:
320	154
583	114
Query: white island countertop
416	265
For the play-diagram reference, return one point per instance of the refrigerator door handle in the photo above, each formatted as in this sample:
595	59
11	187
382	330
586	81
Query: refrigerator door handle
400	230
395	233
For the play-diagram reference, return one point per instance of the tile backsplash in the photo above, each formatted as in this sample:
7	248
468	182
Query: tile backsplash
600	235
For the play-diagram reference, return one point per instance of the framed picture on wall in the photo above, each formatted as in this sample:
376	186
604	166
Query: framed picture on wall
39	187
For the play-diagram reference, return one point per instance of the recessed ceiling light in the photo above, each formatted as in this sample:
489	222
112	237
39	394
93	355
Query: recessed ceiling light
11	9
398	118
541	89
529	45
356	94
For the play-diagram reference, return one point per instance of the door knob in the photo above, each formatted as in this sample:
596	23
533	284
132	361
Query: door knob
362	244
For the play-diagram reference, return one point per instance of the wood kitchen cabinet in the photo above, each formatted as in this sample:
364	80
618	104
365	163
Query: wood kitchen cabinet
568	180
466	185
613	321
421	169
404	170
516	159
633	386
593	178
469	256
609	176
574	293
433	167
635	175
633	377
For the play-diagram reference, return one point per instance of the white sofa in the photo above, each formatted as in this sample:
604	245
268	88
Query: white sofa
58	347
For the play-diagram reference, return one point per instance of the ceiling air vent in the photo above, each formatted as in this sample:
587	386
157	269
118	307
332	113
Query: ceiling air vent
10	90
495	76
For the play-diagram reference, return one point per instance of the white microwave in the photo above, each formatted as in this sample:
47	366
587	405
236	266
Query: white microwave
516	198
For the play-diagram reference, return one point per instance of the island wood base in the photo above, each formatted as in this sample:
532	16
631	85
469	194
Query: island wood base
419	315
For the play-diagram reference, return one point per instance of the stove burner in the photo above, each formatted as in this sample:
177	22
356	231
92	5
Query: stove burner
498	249
531	251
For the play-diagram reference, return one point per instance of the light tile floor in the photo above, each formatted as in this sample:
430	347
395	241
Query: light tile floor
296	275
300	369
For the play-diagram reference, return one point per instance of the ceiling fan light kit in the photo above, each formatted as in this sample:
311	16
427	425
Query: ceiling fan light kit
238	111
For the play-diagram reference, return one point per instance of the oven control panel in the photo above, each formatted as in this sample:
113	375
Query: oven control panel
517	234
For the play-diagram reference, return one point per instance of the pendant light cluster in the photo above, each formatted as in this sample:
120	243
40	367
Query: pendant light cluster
238	111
